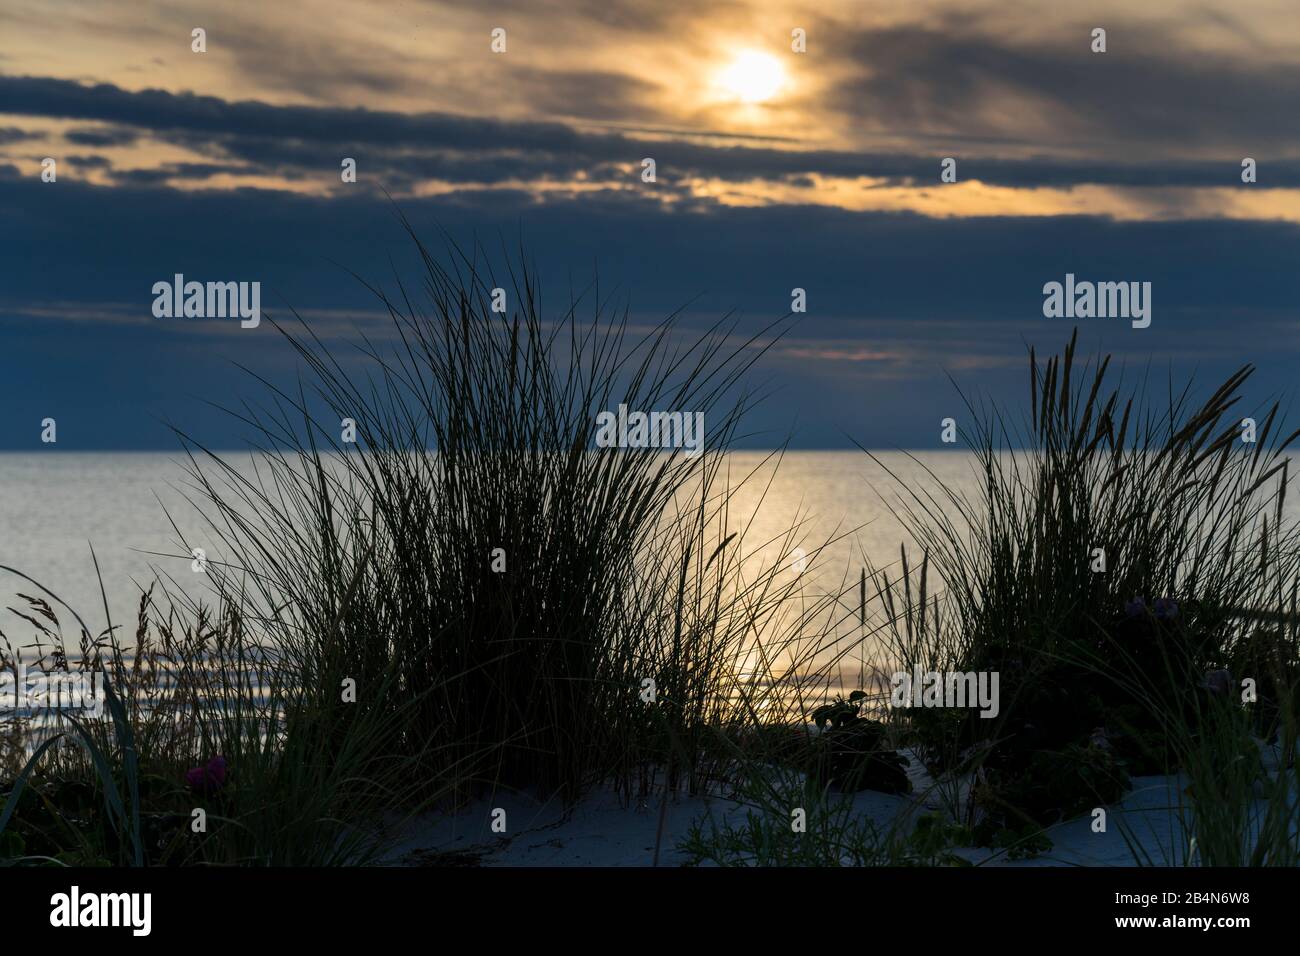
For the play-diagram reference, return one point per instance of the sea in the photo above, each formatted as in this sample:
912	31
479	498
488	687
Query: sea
89	531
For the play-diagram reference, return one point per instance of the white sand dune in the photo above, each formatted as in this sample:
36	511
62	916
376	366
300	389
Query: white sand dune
603	831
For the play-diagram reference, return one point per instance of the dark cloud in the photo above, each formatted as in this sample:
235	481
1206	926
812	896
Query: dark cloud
109	136
894	300
587	94
12	134
1146	91
318	69
194	172
640	17
403	148
161	111
90	161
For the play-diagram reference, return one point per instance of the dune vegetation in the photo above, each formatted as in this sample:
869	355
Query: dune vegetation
436	585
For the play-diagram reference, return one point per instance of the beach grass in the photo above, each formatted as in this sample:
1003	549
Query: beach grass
433	584
1123	568
468	599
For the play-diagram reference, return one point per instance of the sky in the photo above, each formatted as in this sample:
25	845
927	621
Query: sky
776	168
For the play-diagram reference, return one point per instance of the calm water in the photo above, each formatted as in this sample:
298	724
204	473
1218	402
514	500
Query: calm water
55	505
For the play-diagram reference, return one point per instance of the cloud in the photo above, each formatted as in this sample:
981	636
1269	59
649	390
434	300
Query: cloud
639	17
589	94
319	66
1151	93
103	136
90	162
401	149
895	301
168	172
12	134
872	273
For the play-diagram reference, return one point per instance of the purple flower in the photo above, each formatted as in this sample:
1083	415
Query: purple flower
217	770
1218	682
1166	609
1135	608
207	779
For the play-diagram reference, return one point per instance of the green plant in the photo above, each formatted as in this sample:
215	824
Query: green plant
1052	786
1096	500
789	821
537	582
852	752
311	782
513	607
1236	799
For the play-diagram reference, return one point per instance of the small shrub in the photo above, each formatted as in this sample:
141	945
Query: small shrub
851	751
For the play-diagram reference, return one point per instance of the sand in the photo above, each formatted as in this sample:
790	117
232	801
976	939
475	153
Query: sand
601	830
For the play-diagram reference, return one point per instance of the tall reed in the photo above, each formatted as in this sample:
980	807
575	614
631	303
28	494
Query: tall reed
557	610
1112	554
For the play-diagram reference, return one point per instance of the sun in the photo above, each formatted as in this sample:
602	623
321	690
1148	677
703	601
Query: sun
752	77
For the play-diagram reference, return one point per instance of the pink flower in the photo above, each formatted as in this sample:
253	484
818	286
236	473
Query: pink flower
208	779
